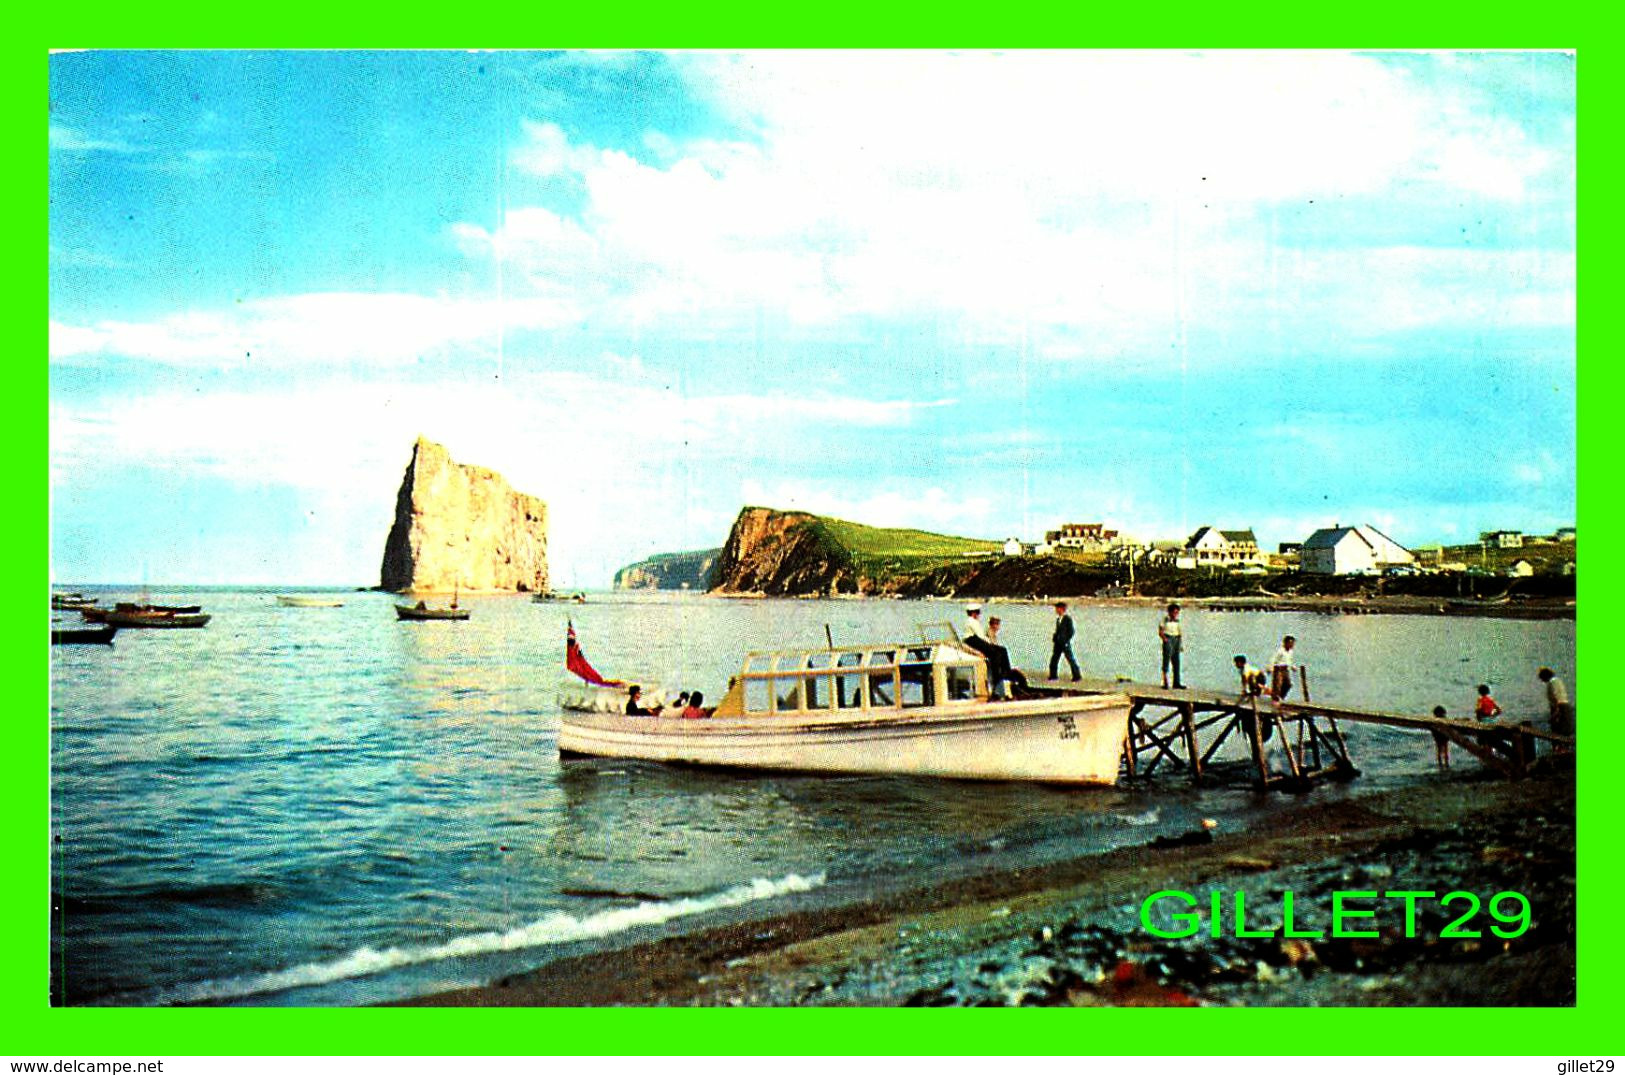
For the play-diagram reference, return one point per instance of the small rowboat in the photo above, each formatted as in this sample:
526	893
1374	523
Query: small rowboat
410	612
71	602
155	617
308	602
79	636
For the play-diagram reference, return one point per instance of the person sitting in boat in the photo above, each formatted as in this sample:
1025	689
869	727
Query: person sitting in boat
1009	675
677	707
633	708
695	710
998	658
422	606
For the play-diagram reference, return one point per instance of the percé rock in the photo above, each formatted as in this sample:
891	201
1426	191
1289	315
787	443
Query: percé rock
460	527
782	554
670	571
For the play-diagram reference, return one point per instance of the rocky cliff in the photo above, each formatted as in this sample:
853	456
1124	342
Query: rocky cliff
461	527
670	571
783	554
794	554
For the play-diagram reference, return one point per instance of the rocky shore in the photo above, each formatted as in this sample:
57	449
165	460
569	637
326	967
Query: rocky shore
1070	933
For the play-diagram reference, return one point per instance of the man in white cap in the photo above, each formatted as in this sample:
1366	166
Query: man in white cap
998	658
974	627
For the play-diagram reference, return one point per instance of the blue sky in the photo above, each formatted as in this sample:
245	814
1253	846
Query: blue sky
977	293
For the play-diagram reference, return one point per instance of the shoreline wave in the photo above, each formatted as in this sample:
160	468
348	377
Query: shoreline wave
555	928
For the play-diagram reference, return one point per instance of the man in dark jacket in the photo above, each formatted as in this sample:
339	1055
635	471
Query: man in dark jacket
1061	643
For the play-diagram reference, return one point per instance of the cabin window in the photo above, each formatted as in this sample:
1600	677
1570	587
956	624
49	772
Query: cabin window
758	663
849	660
961	682
917	685
818	660
819	689
918	653
756	695
787	694
882	693
882	656
790	662
849	691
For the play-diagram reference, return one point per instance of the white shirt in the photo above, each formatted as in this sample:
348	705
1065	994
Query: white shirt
1556	693
1283	658
975	626
1170	627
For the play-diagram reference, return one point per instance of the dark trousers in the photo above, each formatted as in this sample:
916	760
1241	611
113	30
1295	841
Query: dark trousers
999	669
1170	658
1057	651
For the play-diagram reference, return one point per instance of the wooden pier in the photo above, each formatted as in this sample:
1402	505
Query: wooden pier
1291	746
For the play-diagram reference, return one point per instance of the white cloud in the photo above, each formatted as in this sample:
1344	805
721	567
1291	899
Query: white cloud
69	140
627	465
311	329
1079	204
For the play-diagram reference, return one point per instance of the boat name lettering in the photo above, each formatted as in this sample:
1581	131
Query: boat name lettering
1069	727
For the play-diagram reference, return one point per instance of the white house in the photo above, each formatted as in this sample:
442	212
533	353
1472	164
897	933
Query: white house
1012	546
1352	550
1211	547
1523	569
1090	537
1502	539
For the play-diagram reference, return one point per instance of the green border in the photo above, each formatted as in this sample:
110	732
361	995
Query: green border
36	1029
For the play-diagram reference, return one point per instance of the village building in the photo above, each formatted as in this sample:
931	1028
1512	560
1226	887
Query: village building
1502	539
1523	569
1352	550
1564	533
1211	547
1089	537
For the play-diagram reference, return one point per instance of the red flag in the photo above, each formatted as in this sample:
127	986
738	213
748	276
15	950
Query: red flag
576	661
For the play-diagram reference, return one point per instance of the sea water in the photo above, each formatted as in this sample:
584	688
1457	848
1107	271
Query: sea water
330	806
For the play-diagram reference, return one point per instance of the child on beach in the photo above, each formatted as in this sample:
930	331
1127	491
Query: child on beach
1485	709
1441	742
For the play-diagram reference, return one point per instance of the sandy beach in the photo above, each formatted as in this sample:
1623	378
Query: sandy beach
1069	933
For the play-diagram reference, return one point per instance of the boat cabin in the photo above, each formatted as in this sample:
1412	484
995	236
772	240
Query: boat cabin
853	679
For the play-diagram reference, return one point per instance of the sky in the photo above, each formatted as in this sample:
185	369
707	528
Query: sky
976	293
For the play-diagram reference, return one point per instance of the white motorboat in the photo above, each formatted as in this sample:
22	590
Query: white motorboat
919	709
288	601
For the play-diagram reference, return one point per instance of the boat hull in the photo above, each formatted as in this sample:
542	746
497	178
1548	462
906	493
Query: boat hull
170	620
83	636
402	612
1067	740
308	602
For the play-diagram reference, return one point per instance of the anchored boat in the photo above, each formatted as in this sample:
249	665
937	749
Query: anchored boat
83	636
156	616
295	601
920	709
421	611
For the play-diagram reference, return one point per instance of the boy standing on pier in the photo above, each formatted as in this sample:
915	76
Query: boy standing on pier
1172	635
1281	669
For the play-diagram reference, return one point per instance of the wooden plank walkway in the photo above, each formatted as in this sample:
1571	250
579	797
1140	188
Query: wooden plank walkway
1167	725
